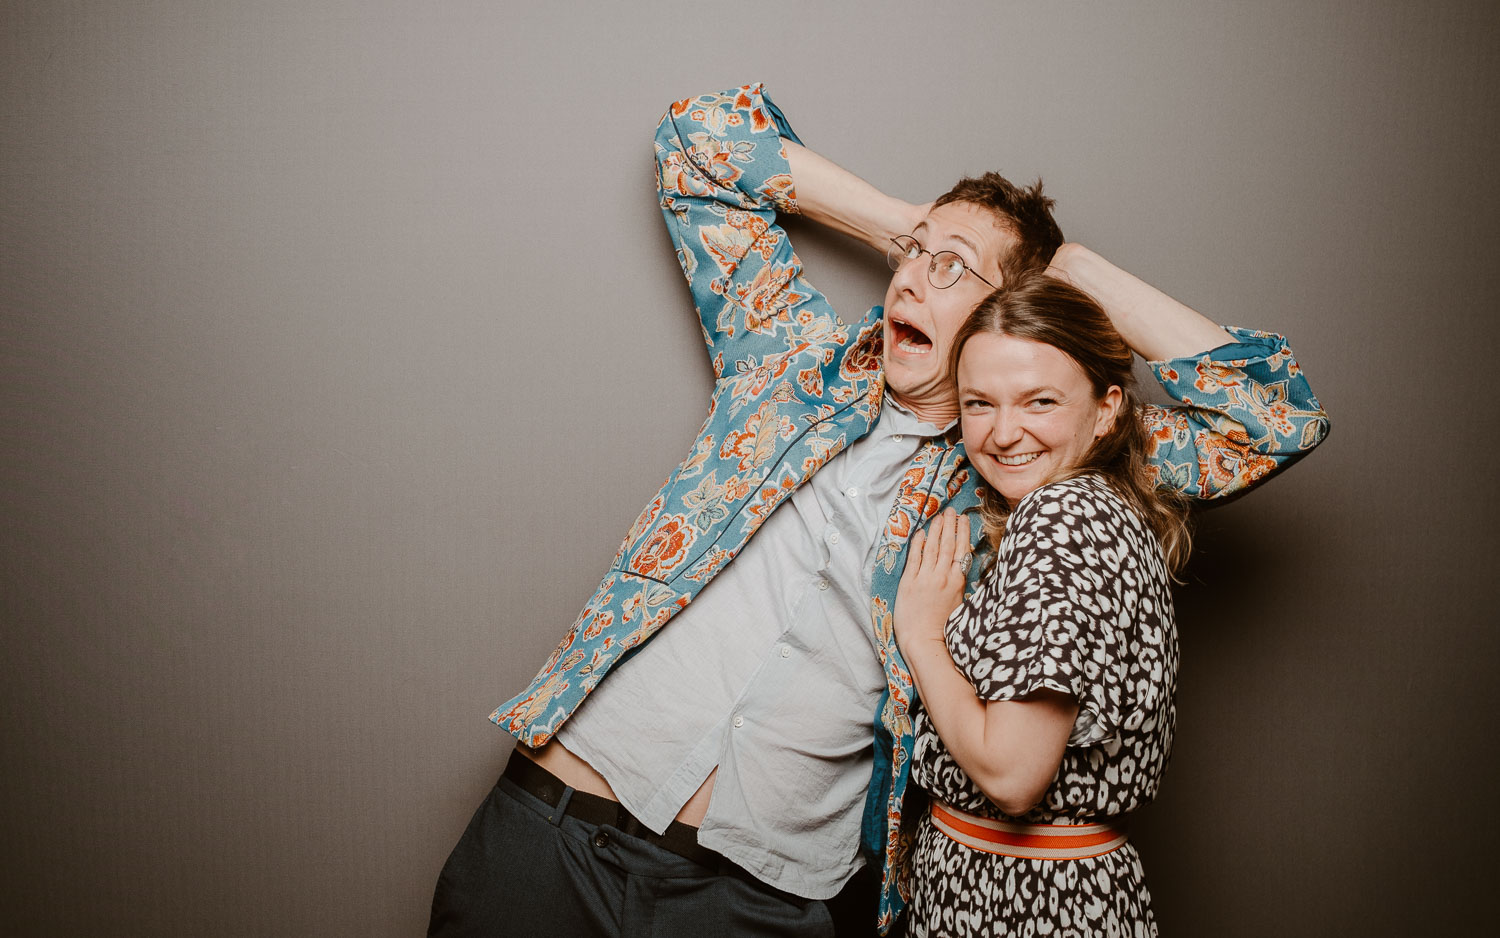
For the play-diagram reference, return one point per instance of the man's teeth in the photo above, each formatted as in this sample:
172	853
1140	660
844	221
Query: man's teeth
1017	460
909	338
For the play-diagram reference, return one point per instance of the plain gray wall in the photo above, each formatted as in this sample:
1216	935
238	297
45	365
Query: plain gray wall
341	341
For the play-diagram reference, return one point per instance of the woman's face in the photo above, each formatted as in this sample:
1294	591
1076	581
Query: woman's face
1027	411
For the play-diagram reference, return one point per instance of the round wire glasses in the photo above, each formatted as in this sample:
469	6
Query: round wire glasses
944	270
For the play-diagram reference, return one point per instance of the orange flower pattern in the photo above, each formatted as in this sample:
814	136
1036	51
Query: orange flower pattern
664	550
795	387
756	443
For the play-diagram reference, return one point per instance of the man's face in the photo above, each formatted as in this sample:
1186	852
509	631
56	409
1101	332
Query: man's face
920	319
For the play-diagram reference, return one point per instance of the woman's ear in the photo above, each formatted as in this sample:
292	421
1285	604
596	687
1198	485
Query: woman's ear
1109	409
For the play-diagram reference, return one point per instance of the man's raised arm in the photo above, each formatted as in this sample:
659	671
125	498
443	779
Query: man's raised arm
1245	411
726	165
722	177
1158	327
832	196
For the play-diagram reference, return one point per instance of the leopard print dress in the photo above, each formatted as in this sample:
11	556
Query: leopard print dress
1077	601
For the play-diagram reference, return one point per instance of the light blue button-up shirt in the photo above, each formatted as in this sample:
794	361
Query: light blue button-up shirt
771	675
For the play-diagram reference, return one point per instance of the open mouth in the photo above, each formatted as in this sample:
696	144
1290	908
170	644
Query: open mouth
1020	460
909	338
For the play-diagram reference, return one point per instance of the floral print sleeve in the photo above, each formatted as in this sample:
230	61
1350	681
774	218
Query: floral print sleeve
1246	411
722	175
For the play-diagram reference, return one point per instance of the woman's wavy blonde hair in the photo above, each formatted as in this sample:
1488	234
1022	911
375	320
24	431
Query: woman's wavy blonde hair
1047	310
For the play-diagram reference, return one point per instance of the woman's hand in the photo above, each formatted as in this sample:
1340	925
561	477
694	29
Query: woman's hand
932	585
1009	748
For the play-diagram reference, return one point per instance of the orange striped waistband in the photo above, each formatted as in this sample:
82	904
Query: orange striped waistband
1029	841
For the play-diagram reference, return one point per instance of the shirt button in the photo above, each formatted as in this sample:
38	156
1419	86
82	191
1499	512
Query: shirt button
822	584
852	491
786	651
601	839
739	722
897	437
833	538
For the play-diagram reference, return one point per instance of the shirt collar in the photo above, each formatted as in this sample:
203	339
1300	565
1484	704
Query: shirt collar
904	421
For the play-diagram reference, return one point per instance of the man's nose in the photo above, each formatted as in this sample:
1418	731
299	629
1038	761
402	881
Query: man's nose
911	276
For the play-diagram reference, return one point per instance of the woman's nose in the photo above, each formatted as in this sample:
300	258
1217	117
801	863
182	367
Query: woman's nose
1005	428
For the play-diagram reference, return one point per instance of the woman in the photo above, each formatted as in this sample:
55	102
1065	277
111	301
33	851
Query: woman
1047	698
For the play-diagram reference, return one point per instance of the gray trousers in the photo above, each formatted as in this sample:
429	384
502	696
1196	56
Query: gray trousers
515	872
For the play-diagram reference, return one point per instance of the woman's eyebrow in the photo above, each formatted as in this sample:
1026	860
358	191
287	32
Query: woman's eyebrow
1047	390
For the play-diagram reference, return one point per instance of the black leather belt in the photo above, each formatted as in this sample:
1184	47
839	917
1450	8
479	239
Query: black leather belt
678	838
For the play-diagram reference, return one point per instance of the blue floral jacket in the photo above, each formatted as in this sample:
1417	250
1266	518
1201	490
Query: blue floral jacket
793	387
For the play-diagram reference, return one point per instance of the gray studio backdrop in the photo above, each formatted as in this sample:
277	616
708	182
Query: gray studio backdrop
340	342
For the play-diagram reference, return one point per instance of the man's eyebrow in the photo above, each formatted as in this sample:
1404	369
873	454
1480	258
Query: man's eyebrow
968	244
973	248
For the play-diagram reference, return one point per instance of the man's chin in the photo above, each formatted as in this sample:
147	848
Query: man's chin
904	385
904	374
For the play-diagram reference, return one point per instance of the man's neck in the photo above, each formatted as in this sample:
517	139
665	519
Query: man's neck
940	413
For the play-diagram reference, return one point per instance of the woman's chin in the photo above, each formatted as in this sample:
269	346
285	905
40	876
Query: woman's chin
1014	493
1013	485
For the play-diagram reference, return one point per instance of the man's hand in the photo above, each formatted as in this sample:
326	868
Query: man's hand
1155	325
932	585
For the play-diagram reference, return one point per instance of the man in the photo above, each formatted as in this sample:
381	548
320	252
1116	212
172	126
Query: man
722	777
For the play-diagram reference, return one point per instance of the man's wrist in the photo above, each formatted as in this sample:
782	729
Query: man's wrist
836	198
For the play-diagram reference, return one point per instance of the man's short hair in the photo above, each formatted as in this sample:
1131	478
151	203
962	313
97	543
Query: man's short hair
1024	212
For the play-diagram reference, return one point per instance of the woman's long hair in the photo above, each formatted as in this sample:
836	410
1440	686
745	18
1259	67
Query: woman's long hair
1052	312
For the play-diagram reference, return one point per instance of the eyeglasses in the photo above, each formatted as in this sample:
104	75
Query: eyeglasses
944	271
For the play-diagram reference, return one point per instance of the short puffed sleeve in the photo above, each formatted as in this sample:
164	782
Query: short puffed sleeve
1072	604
